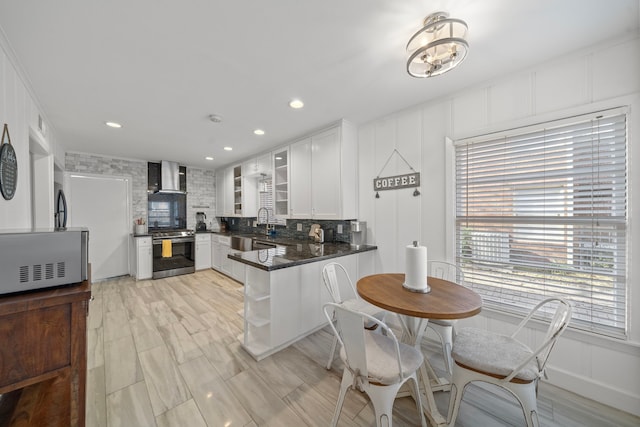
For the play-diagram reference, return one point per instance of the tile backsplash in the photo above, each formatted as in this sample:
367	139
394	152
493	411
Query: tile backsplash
290	231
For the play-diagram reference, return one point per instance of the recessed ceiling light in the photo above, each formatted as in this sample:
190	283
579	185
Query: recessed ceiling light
113	125
258	132
215	118
228	148
296	104
208	158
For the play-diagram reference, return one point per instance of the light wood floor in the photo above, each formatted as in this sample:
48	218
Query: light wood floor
165	353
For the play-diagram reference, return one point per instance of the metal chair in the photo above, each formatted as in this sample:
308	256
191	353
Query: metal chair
442	327
330	279
502	360
374	363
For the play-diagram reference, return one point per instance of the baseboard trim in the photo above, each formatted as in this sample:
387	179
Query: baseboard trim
594	390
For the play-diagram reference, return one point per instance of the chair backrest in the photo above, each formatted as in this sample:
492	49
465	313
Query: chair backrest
350	330
332	283
557	325
447	271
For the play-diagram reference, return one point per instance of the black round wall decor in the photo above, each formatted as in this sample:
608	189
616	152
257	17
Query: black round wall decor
61	211
8	166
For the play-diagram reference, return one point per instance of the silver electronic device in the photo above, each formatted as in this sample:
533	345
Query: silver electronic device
37	259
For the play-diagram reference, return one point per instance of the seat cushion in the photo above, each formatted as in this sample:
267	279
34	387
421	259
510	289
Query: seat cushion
492	353
382	361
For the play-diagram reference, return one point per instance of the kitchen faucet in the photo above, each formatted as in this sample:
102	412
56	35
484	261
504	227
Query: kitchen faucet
267	226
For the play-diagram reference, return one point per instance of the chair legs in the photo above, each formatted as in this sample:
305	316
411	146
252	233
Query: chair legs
445	334
524	393
345	384
382	399
333	352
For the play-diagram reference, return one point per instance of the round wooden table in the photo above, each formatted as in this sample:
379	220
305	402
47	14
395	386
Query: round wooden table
446	300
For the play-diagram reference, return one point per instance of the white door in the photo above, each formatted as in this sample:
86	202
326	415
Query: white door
101	204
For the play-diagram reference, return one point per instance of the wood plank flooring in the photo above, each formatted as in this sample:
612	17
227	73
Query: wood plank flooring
165	353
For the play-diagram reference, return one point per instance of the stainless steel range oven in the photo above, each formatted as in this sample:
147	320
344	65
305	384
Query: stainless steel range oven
173	252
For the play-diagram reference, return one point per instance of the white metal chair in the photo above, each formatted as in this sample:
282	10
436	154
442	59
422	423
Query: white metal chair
374	363
443	327
502	360
330	279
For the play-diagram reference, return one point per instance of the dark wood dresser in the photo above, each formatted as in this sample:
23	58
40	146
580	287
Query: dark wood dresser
43	357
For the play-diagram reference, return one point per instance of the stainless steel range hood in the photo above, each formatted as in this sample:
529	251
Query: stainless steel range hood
170	177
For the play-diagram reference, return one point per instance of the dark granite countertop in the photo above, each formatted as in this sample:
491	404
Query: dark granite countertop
296	252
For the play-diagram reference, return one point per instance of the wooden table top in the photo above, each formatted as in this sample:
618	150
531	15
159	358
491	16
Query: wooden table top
447	300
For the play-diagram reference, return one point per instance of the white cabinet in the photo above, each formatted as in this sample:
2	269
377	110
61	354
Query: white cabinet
323	174
256	166
144	257
281	183
216	255
221	192
285	305
203	251
236	194
222	263
300	184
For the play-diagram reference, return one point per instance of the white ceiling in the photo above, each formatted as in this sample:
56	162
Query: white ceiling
162	67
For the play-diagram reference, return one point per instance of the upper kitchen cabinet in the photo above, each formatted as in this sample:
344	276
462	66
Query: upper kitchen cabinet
236	194
300	187
323	174
220	192
281	183
258	166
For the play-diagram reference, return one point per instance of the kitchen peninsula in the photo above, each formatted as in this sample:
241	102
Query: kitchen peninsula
284	293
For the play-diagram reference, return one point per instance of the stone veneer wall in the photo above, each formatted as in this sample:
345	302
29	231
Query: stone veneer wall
201	197
201	189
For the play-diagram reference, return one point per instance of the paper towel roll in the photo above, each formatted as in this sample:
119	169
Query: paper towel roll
415	278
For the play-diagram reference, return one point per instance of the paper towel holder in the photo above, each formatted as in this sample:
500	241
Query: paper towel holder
426	290
418	291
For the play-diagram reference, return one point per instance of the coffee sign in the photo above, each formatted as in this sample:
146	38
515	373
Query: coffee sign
397	182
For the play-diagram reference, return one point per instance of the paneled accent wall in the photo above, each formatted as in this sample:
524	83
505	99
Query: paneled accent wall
200	182
20	111
606	370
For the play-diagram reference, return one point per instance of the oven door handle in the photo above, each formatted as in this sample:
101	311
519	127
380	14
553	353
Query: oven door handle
175	240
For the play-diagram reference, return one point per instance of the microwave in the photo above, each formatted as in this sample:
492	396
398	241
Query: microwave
37	259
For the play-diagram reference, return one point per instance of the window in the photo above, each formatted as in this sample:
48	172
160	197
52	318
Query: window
543	211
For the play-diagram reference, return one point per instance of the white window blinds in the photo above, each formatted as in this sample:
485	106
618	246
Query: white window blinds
543	211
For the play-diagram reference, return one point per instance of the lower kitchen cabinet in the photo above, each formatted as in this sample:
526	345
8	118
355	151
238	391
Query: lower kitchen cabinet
282	306
203	251
143	262
216	255
220	248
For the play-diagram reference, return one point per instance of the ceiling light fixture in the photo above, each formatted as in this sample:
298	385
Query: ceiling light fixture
258	132
296	104
215	118
439	46
208	158
113	125
228	148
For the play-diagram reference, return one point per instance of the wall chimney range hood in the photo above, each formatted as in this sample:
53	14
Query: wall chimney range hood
169	178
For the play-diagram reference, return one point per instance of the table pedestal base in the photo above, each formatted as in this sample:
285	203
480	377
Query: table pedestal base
413	330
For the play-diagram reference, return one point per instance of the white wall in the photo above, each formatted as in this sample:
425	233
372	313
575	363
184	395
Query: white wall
19	110
603	76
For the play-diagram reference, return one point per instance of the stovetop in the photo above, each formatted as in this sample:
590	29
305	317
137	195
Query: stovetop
171	233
